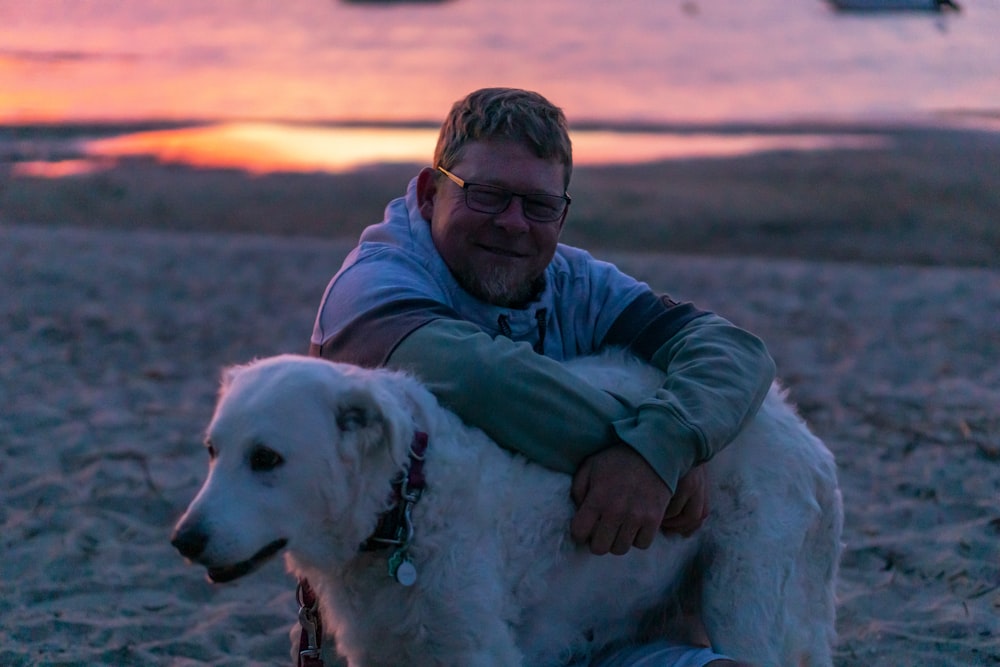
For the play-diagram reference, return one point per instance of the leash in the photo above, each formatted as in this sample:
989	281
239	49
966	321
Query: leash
311	635
395	528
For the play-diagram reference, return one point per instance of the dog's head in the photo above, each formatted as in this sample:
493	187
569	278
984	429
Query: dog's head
302	453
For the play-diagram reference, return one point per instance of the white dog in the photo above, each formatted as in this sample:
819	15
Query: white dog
304	455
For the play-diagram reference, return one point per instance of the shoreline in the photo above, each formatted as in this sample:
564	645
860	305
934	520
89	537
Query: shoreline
925	197
985	119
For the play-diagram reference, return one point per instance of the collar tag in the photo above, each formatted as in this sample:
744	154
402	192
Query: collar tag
401	568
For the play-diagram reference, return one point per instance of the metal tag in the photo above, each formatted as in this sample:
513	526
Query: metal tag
406	573
401	568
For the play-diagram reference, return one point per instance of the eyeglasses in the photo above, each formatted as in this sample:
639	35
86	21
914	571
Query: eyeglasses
537	207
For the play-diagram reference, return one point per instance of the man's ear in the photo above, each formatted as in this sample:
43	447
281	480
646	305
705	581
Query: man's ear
426	191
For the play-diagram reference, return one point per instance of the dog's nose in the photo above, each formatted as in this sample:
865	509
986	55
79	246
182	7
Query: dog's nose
189	541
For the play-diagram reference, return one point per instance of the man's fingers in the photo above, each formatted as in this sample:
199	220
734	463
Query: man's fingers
583	523
608	530
604	538
685	501
689	506
620	499
644	538
698	509
676	507
623	528
685	524
614	533
581	483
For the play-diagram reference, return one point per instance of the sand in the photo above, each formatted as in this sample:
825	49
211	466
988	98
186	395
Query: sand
111	344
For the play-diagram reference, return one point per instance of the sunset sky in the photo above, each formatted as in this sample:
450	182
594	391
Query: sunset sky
329	60
315	61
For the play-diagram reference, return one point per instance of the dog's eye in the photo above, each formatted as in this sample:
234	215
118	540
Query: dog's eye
211	450
263	459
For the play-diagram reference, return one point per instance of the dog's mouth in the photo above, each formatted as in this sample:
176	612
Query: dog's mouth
221	575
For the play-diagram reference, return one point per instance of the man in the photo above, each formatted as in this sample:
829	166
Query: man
466	285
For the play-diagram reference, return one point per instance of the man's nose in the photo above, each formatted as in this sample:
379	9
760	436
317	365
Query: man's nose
512	219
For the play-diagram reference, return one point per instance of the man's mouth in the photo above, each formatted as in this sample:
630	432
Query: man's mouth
221	575
503	252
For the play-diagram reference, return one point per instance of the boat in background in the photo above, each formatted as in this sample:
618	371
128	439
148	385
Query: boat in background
394	2
894	5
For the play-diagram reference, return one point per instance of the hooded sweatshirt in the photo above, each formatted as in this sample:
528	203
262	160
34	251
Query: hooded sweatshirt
395	303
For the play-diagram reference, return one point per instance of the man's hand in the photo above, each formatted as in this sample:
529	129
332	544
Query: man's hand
621	501
689	505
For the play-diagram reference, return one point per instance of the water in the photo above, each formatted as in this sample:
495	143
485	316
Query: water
645	60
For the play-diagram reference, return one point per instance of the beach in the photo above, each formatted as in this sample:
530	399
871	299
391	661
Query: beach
871	275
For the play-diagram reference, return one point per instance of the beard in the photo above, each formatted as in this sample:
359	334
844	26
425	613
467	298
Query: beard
502	286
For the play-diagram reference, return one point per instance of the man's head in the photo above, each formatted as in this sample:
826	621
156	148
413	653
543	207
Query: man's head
511	114
514	141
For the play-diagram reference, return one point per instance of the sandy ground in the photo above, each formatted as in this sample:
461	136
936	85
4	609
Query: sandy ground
111	343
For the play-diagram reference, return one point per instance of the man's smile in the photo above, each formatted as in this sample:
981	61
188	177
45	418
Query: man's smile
503	252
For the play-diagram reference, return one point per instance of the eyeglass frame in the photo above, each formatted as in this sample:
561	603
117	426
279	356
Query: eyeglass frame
465	185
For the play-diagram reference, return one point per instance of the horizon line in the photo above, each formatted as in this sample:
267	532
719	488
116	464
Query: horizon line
988	119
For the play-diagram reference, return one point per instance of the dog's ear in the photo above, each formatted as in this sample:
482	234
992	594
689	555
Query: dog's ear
357	413
226	379
370	417
360	418
229	374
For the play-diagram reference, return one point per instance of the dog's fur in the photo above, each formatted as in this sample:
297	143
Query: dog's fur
499	580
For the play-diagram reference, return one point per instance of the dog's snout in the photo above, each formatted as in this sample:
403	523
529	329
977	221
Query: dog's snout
189	541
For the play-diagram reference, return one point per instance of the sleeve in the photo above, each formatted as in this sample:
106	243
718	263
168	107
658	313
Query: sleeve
371	306
368	339
524	401
717	378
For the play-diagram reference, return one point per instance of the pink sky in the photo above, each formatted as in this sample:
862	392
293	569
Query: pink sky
323	59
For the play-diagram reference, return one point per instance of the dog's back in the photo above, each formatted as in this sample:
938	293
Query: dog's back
776	517
765	559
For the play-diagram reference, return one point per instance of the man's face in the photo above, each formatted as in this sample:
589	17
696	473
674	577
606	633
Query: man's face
495	257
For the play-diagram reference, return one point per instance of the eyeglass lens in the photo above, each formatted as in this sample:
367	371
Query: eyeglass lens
538	207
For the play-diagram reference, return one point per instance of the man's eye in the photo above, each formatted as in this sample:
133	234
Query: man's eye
544	206
486	196
263	459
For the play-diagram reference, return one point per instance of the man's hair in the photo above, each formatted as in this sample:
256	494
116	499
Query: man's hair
505	113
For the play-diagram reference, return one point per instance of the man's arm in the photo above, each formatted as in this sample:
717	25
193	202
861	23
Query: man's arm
522	400
717	377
